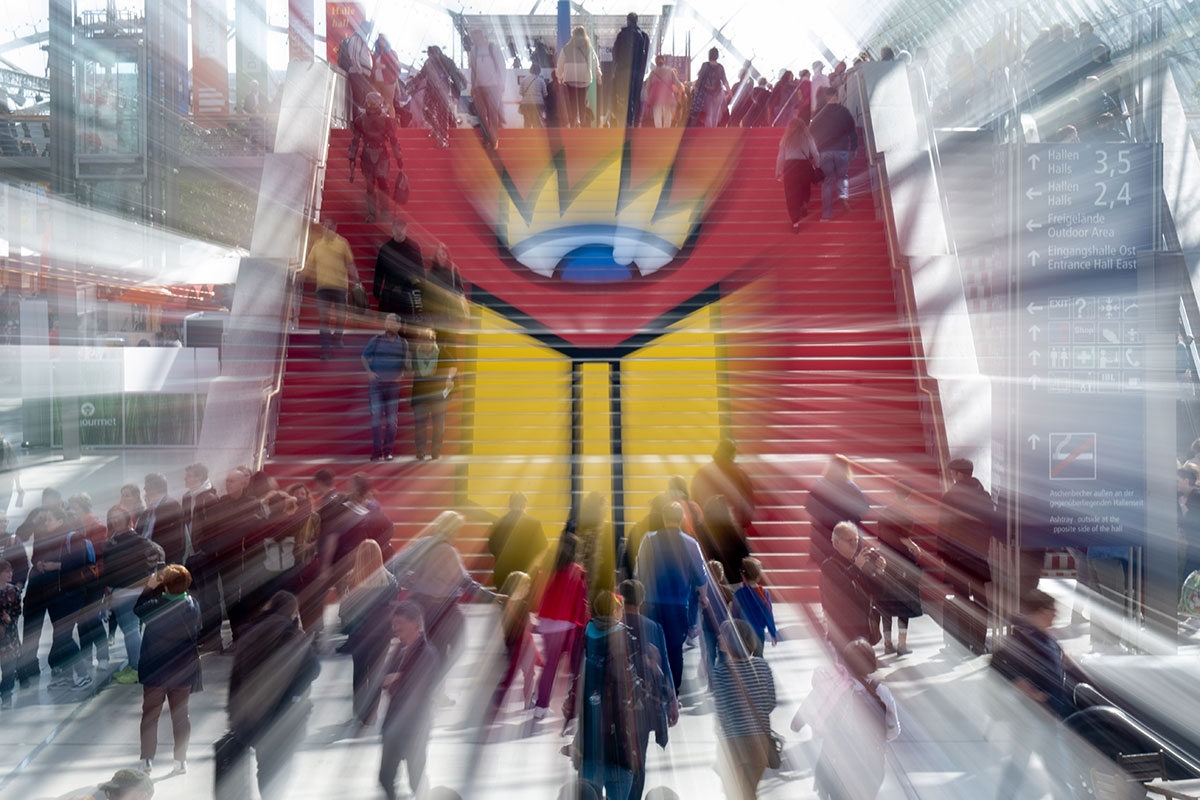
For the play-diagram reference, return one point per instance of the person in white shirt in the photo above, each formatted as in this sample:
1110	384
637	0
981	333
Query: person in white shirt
488	73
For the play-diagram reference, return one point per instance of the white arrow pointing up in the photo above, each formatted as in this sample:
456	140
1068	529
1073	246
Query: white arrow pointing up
1031	226
1031	193
1033	441
1033	161
1034	330
1034	380
1033	257
1034	355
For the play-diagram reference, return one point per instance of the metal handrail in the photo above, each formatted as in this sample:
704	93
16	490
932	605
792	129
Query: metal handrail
900	268
312	208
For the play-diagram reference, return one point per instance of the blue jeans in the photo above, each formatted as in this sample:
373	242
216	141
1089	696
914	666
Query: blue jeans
836	166
674	621
123	601
615	781
385	401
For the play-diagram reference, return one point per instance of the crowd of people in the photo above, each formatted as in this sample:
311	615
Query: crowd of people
637	87
617	610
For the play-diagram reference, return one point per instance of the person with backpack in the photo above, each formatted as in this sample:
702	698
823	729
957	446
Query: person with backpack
74	567
604	699
648	652
374	136
354	58
578	66
855	717
709	93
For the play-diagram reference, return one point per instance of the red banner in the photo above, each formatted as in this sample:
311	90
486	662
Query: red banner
210	57
301	37
341	19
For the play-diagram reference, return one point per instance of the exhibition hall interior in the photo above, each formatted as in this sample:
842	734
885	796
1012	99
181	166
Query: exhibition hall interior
435	400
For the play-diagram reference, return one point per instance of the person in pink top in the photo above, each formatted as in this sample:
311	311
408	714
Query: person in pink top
561	616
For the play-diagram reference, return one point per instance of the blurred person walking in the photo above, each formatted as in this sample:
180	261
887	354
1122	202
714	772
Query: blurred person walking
562	614
579	67
365	613
268	703
629	53
744	695
330	265
798	155
412	673
855	717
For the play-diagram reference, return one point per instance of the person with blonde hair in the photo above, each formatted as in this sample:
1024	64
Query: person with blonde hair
663	90
169	661
366	620
518	638
579	66
794	167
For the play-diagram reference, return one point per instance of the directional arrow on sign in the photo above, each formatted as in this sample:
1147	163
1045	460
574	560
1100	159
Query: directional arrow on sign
1034	355
1031	193
1033	441
1033	309
1033	161
1031	226
1034	330
1034	380
1033	258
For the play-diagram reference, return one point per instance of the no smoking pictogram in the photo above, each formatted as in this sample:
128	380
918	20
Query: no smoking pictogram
1072	456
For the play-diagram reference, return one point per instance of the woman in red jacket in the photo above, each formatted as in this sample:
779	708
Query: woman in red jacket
561	616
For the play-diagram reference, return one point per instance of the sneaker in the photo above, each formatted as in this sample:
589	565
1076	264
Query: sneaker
5	703
126	676
146	766
888	647
388	457
539	712
180	767
902	650
60	681
83	682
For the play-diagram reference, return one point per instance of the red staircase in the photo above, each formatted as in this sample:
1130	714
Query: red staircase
819	356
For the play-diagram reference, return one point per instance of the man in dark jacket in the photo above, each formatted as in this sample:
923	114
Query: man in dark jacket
847	585
268	708
1033	661
836	136
629	52
399	272
12	551
198	502
230	520
162	521
516	541
411	675
128	561
965	530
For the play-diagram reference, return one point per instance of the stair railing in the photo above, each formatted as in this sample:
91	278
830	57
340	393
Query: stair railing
264	439
930	402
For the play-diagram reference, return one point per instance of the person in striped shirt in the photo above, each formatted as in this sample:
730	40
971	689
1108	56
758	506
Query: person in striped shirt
744	693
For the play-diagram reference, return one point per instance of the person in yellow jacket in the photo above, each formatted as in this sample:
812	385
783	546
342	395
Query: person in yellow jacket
330	264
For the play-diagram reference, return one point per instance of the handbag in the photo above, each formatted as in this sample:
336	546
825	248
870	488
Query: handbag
358	298
774	749
401	190
818	174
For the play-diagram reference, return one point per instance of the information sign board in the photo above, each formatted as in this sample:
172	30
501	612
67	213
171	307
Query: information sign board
1085	214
